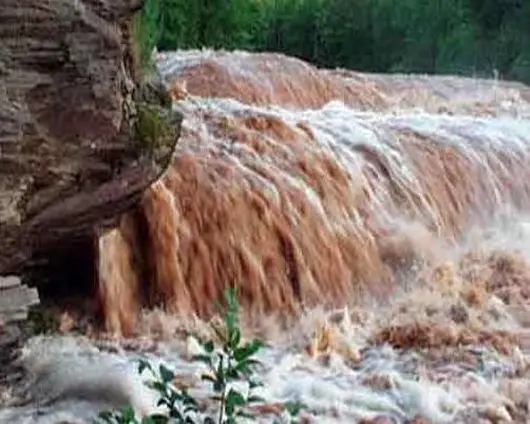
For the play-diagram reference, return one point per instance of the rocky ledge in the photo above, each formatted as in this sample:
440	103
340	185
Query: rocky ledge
69	156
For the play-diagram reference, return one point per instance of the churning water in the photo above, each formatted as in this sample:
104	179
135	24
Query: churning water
376	230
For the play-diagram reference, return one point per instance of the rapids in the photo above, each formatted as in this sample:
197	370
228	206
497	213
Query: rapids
376	229
302	198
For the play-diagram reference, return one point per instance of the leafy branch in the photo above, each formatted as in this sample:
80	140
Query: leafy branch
234	362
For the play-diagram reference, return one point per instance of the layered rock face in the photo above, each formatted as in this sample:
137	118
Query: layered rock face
68	160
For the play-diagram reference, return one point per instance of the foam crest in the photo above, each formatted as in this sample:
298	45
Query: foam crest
299	208
376	229
444	349
67	374
273	78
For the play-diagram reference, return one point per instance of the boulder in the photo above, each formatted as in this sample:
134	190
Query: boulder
69	155
15	300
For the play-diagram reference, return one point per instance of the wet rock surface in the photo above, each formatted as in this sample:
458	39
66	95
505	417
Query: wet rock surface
15	301
67	91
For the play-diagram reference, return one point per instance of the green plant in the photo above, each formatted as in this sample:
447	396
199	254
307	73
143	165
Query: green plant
178	402
155	128
468	37
149	127
233	362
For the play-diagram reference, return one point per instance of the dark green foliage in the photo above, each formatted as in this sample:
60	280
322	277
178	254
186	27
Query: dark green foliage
233	363
467	37
145	33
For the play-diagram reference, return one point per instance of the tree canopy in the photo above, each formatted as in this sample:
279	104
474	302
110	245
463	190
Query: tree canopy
466	37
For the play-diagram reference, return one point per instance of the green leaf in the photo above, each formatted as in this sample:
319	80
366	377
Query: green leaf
128	414
293	408
166	374
207	377
235	338
232	374
232	310
188	400
248	350
159	386
163	402
143	365
255	399
174	397
188	409
175	413
233	400
246	365
202	358
155	419
220	380
253	384
208	346
245	414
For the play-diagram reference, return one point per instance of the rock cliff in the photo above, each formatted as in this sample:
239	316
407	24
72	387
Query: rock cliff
68	156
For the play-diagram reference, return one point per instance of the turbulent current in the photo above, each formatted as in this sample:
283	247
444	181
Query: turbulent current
376	228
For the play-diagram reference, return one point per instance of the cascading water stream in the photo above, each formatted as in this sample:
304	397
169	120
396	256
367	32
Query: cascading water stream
404	198
311	206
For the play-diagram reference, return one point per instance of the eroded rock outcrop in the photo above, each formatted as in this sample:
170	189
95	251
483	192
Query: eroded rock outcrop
68	156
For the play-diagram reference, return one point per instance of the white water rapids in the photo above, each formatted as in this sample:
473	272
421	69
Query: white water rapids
461	300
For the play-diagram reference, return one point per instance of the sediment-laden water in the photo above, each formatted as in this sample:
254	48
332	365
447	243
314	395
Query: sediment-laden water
375	227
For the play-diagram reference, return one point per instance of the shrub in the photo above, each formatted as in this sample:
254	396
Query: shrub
234	362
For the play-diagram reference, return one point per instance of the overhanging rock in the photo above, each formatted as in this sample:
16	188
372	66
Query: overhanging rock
67	157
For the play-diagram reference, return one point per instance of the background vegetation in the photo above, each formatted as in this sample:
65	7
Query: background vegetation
467	37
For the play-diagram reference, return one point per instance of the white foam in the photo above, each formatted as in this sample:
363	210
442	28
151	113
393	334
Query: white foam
64	369
72	379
